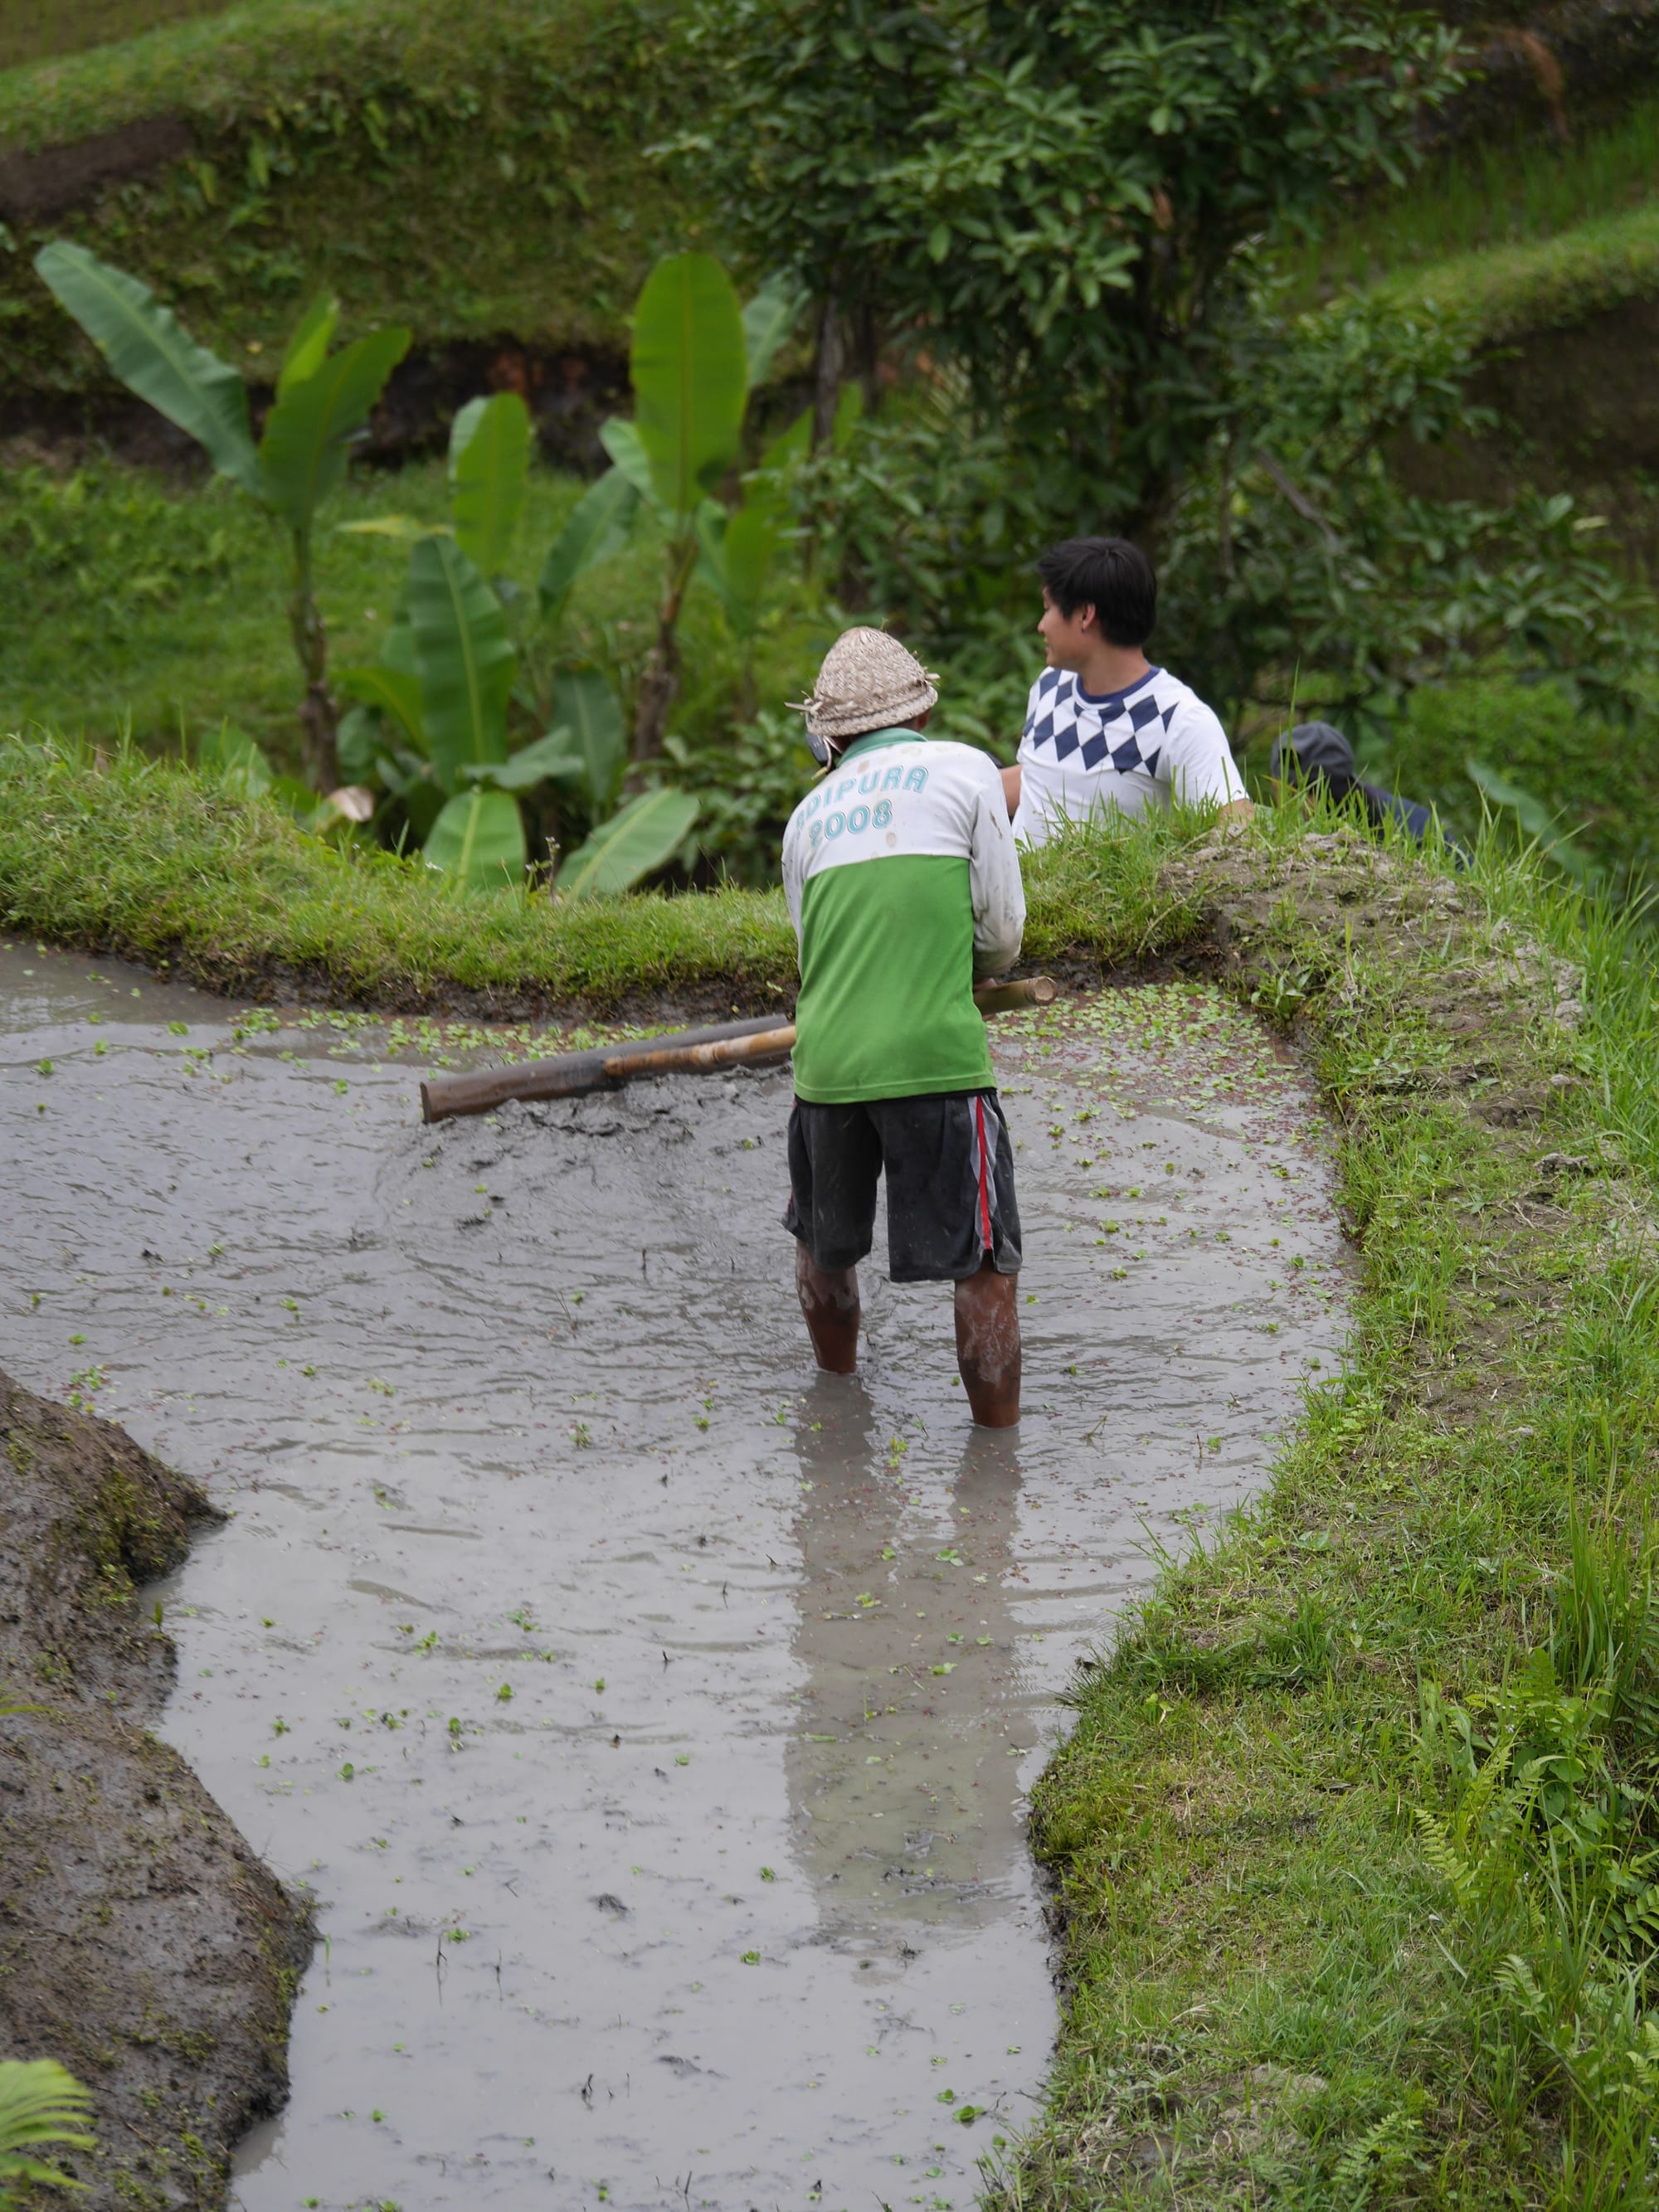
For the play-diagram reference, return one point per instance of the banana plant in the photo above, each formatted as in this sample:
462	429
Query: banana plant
588	759
696	356
435	720
321	409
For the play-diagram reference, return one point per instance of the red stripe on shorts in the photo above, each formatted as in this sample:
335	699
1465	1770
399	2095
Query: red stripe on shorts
984	1179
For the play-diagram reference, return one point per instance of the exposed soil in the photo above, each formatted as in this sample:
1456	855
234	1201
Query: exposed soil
141	1943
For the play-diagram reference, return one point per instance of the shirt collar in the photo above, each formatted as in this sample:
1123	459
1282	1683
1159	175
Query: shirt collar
868	740
1115	699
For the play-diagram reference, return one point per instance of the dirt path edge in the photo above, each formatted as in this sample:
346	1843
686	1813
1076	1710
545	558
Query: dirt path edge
141	1943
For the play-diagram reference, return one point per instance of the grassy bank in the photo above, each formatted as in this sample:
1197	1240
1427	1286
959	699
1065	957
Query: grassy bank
1357	1838
1502	193
1355	1834
146	858
29	33
474	172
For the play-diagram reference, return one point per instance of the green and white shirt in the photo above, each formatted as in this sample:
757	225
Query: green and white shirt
903	885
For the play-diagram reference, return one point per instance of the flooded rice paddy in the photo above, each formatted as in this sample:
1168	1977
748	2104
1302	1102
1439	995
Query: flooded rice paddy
649	1718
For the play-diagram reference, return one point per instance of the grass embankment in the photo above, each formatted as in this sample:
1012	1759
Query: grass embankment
1356	1834
32	32
473	172
1489	199
147	858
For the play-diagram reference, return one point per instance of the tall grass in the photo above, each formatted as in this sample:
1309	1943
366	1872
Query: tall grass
1499	193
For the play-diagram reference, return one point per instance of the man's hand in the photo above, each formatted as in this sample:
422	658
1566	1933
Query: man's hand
1010	790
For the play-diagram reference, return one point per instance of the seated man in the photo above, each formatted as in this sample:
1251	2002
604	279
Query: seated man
1317	756
903	886
1103	727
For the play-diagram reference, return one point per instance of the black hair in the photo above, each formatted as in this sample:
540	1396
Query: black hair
1108	574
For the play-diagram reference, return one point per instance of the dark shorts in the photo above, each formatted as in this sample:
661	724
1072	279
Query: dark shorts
950	1184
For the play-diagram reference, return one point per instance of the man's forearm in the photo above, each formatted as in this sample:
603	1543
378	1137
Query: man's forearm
1010	789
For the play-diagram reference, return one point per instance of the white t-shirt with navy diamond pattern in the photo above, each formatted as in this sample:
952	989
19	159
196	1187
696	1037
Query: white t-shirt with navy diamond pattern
1146	746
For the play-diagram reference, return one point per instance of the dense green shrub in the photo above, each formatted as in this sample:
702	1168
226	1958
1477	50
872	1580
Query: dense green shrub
1067	200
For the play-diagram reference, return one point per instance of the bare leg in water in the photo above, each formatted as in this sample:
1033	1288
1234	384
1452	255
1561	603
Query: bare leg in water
830	1300
987	1331
988	1345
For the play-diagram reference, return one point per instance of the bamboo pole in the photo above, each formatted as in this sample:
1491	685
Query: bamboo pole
733	1044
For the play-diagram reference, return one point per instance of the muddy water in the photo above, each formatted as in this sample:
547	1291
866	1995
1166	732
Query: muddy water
649	1718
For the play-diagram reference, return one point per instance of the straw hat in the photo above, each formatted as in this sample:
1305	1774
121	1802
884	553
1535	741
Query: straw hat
868	682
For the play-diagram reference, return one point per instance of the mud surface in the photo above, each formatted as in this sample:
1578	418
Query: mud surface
650	1718
141	1942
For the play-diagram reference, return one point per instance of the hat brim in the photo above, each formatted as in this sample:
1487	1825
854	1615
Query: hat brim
849	720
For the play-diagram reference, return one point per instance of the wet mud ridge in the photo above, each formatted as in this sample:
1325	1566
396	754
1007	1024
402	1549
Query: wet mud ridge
141	1943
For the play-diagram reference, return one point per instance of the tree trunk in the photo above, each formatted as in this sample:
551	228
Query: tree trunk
869	356
319	711
660	686
826	389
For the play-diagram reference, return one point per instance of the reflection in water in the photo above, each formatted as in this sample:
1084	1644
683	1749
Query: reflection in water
902	1775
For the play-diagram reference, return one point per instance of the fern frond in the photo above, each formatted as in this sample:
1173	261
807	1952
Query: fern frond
40	2104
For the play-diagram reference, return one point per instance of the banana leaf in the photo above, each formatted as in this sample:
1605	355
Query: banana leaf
690	367
597	526
307	349
394	692
643	837
479	838
767	320
585	703
302	454
739	550
462	656
154	356
547	758
748	551
489	472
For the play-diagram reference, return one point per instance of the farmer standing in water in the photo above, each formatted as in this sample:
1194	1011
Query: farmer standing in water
903	885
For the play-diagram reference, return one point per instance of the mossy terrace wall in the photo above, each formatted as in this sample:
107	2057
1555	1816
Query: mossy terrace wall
488	175
480	173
